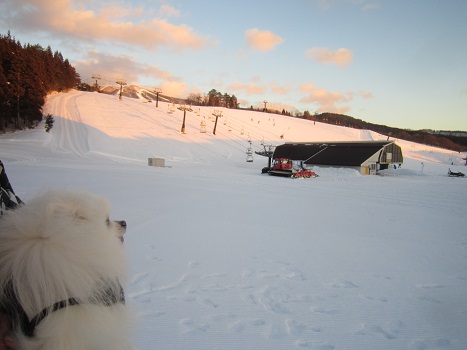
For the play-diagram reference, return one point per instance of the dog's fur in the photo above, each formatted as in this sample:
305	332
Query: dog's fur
58	246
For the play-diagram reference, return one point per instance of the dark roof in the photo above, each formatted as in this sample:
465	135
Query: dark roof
331	153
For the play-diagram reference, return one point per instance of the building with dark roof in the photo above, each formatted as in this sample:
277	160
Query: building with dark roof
365	156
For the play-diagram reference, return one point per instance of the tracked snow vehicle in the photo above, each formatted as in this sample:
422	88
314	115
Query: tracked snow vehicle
284	167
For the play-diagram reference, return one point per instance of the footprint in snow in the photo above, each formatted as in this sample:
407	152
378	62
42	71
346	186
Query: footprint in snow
430	344
209	302
325	311
295	328
376	329
240	325
314	346
429	286
191	327
292	274
344	284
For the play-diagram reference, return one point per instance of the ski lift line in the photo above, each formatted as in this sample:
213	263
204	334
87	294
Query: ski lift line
257	127
154	120
234	140
241	148
226	135
148	119
243	129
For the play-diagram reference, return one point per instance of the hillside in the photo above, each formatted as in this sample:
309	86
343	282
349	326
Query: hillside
234	129
451	140
455	141
223	257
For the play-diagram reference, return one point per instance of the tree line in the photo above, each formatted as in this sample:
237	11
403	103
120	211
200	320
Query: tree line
455	143
213	98
27	74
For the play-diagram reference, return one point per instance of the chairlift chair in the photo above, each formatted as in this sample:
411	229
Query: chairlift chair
249	155
202	128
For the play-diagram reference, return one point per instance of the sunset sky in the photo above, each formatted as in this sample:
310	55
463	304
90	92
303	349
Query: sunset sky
401	63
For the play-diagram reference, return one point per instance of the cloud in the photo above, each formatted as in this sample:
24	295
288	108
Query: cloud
174	88
262	40
249	89
169	11
341	57
111	67
366	95
327	101
113	22
280	90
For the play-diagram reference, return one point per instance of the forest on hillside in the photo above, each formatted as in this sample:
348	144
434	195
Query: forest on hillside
446	140
27	74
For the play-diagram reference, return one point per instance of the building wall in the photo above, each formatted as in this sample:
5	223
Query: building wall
392	154
364	170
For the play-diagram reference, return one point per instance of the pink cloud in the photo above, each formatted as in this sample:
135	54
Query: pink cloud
366	95
280	90
174	88
111	67
169	11
113	23
340	57
249	89
326	100
262	40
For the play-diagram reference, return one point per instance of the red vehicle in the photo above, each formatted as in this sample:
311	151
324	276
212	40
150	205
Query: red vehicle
284	167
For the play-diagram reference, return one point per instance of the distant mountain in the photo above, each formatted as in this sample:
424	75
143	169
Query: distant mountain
135	91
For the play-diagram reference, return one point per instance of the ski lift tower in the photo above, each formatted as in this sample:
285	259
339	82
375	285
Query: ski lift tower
96	77
184	108
217	114
121	82
157	91
268	151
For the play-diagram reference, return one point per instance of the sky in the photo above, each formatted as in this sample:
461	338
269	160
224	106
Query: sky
393	62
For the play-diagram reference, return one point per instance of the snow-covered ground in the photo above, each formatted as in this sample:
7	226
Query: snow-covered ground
222	257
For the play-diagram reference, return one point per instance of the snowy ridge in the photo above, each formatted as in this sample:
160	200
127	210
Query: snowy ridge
222	257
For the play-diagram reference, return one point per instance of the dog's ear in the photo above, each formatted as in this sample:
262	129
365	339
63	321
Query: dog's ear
63	208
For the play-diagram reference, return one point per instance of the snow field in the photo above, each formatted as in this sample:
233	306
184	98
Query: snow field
222	257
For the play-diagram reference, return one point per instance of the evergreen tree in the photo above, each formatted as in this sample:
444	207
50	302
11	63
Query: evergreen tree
49	122
27	75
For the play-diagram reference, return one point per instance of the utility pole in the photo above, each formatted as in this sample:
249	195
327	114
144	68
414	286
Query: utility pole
217	114
184	108
265	103
121	82
96	77
157	91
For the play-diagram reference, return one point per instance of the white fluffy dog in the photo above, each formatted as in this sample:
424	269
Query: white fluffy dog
61	265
